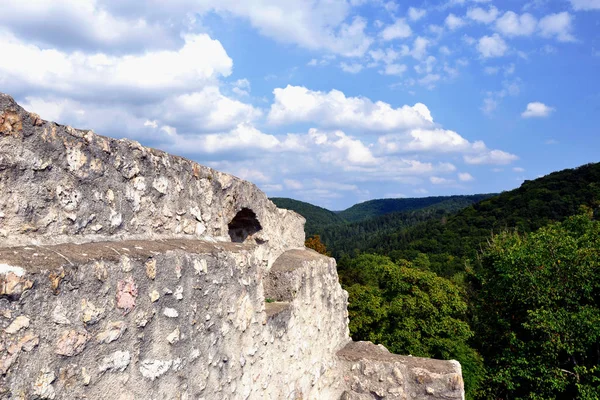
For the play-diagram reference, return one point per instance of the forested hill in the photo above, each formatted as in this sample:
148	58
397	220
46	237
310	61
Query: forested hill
374	216
375	208
451	242
316	217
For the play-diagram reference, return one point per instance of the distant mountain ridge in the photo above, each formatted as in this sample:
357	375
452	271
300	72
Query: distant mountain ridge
378	207
316	217
382	213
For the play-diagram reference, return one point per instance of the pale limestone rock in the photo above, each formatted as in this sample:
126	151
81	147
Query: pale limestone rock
174	336
71	343
170	312
113	331
90	314
116	362
152	369
154	296
21	322
59	315
43	385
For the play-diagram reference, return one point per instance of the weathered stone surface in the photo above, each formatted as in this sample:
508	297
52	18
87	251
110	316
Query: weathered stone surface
19	323
71	343
93	186
144	275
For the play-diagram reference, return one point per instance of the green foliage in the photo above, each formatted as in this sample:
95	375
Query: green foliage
537	313
375	208
451	242
410	311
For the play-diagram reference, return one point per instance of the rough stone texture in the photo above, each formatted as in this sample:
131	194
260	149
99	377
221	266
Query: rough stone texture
127	273
60	184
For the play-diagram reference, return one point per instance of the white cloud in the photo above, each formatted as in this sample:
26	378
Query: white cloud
270	188
219	113
486	156
388	56
557	25
518	169
242	138
512	24
492	46
491	70
241	87
537	110
416	14
315	25
151	74
445	50
333	109
293	184
419	49
252	175
353	68
429	80
82	25
398	30
480	15
424	140
436	180
465	177
426	66
340	149
394	69
453	22
489	105
585	5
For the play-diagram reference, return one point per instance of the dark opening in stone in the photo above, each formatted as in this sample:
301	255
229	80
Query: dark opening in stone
244	224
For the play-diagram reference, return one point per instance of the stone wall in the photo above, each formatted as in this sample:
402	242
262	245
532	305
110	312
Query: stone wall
128	273
60	184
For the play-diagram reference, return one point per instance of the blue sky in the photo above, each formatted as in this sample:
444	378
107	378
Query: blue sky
328	101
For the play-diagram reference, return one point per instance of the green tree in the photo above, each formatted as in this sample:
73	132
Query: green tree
537	314
410	311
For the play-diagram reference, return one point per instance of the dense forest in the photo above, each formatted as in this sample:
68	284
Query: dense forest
509	284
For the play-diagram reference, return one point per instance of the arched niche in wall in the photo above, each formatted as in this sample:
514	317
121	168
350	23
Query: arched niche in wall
243	225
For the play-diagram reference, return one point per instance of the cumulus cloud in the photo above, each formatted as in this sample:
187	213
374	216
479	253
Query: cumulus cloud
419	49
82	25
585	5
353	68
537	110
416	14
386	56
512	24
293	184
480	15
398	30
453	22
492	46
394	69
436	180
154	73
333	109
465	177
484	155
557	25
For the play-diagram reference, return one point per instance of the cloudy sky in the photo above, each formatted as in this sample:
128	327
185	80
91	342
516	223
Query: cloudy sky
327	101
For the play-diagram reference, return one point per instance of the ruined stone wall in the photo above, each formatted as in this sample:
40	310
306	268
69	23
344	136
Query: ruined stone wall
60	184
127	273
173	319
